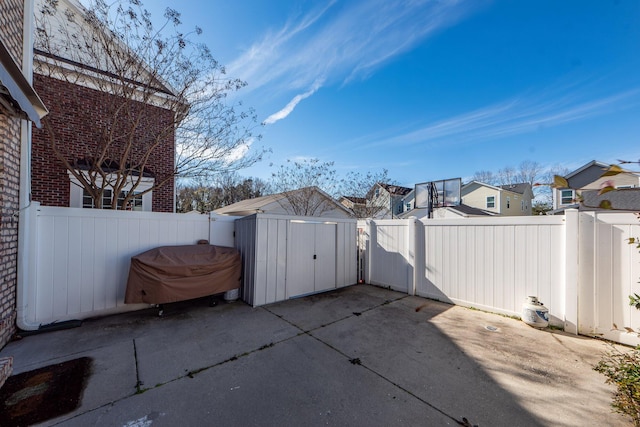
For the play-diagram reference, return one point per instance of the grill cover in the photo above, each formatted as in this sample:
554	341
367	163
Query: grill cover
177	273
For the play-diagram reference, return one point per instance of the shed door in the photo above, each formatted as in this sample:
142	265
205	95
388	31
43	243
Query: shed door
325	257
312	258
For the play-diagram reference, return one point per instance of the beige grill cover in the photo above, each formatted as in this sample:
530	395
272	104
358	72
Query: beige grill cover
177	273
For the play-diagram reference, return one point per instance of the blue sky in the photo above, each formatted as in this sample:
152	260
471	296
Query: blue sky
431	89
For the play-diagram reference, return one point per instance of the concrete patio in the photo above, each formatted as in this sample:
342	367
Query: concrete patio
358	356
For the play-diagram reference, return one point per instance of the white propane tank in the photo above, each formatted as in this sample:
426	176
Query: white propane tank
534	313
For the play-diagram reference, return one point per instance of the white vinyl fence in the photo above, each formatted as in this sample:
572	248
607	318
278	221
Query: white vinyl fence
76	261
579	265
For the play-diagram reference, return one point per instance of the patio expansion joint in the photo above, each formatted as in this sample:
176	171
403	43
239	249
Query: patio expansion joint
358	362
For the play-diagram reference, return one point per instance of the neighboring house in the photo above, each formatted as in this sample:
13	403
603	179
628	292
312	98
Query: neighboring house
503	200
390	198
79	114
309	201
18	102
587	181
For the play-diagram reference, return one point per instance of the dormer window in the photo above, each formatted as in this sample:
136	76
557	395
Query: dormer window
567	197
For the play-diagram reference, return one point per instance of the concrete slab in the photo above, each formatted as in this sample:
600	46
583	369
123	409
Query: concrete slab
445	355
175	348
358	356
322	309
300	381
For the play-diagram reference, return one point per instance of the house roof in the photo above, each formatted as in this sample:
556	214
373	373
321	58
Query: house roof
14	84
586	166
621	199
258	204
470	210
519	188
354	199
396	190
250	206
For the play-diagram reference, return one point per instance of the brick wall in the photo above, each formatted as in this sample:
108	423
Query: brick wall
78	116
11	22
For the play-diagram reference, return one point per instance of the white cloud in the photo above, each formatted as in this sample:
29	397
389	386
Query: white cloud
342	41
515	116
292	104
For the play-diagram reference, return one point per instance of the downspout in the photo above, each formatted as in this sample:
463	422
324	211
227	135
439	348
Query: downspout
26	218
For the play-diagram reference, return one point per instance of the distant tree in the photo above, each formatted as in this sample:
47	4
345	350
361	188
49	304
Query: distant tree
486	177
507	176
529	172
359	185
115	49
228	188
540	208
298	181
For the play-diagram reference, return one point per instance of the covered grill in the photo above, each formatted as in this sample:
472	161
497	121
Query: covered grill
177	273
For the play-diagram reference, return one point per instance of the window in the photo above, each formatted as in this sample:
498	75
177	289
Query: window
522	205
566	197
87	200
135	204
409	206
508	202
80	198
491	202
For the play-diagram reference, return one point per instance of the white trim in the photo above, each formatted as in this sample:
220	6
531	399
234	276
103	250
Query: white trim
76	190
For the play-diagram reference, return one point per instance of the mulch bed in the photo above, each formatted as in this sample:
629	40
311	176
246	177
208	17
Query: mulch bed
39	395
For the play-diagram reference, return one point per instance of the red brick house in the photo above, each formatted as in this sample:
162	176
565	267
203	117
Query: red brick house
80	114
18	102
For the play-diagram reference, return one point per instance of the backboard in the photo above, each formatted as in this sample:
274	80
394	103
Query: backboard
441	193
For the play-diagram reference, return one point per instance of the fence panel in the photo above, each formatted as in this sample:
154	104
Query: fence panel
80	258
609	271
390	260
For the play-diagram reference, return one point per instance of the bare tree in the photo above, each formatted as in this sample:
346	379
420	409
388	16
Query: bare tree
507	176
529	172
303	183
114	48
357	187
487	177
227	189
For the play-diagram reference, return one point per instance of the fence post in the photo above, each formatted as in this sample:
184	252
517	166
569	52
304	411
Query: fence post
411	250
571	282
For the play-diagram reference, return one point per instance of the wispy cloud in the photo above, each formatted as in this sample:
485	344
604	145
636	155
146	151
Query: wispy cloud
518	115
340	42
292	104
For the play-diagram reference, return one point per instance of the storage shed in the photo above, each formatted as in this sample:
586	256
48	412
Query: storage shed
286	256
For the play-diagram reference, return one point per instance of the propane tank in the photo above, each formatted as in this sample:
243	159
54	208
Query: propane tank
534	313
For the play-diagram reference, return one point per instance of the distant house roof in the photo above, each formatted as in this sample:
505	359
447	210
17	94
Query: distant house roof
275	202
354	199
14	84
396	190
519	188
249	206
620	199
470	210
586	166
